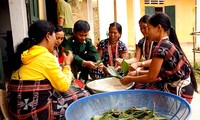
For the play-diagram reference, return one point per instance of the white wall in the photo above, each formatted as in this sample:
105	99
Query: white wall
90	19
122	19
18	18
136	4
106	16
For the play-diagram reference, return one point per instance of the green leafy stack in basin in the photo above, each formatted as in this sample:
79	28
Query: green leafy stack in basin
132	113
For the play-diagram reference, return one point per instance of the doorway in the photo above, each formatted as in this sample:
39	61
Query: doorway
51	11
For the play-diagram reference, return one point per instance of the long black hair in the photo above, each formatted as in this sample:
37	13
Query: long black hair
163	19
58	28
144	18
37	31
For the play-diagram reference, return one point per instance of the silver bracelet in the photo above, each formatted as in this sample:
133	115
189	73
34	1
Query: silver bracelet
143	64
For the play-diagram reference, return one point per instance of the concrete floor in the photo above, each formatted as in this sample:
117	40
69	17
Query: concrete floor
195	105
187	48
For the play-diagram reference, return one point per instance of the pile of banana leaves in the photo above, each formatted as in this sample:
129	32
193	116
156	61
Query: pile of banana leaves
132	113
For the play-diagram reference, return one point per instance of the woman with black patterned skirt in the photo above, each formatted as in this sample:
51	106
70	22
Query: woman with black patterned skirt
168	61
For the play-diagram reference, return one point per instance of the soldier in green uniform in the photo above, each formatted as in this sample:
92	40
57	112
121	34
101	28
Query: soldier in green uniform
85	53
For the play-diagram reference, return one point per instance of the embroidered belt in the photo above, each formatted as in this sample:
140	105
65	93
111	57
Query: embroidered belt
178	85
29	88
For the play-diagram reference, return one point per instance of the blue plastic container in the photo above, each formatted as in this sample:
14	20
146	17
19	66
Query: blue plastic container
164	104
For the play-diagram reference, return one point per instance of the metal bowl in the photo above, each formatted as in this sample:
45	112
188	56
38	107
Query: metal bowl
107	85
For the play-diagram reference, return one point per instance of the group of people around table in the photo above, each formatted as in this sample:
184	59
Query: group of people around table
46	64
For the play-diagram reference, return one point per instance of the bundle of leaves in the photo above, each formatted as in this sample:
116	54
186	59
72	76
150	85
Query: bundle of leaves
132	113
113	72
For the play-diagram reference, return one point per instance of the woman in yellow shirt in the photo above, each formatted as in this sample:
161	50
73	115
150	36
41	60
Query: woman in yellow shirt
36	73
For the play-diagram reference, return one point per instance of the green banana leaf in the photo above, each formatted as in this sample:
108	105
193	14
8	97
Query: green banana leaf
125	67
113	72
99	61
132	113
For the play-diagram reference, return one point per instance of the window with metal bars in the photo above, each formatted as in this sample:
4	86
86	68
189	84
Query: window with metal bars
154	1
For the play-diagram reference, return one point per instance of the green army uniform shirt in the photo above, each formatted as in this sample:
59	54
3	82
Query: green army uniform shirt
81	51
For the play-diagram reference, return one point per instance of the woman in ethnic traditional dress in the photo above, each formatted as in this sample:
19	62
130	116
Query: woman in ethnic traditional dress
61	100
143	53
36	72
168	61
110	49
144	46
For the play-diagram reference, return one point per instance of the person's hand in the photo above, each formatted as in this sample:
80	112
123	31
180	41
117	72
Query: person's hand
117	68
105	70
132	73
118	61
133	67
68	58
100	66
89	64
126	80
54	52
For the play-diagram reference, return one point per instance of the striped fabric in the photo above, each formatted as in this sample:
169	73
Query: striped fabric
35	100
30	99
